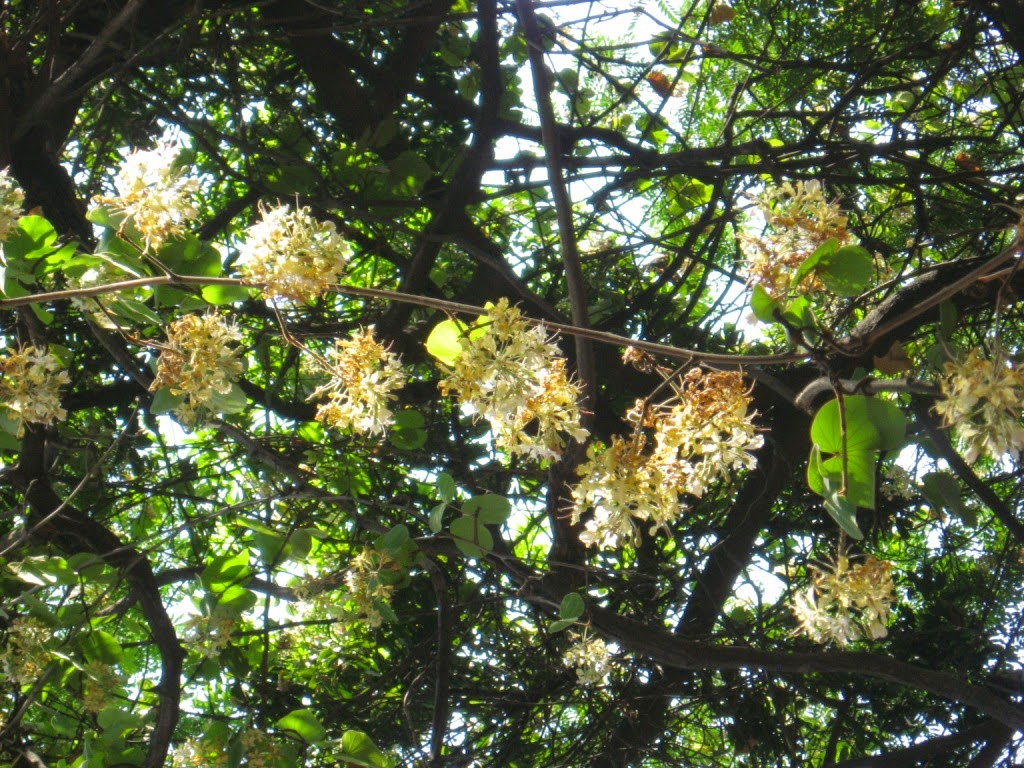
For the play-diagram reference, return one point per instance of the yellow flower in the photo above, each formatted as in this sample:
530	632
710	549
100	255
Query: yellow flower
100	681
982	398
210	634
511	374
621	486
799	219
364	377
292	255
369	585
30	387
261	751
155	195
846	603
199	753
703	434
196	361
26	655
592	659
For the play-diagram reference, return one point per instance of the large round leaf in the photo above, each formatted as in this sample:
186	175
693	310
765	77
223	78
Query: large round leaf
871	425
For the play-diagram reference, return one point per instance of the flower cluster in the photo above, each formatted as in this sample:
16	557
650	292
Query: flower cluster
30	388
620	485
100	681
197	361
154	194
210	634
897	484
846	603
261	751
800	219
292	255
26	654
702	435
11	198
198	753
370	584
511	374
983	398
592	659
364	377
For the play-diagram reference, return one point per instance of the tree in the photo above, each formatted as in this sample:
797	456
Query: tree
528	384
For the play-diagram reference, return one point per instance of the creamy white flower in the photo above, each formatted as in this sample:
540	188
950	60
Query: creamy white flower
292	255
799	219
154	193
704	434
198	360
511	374
11	199
30	387
364	378
846	603
591	658
983	400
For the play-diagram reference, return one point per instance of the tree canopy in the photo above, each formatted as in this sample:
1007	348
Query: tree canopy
520	383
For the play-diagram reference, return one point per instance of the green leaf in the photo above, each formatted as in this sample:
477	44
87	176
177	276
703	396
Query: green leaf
311	432
841	510
393	540
271	546
808	265
815	473
798	314
291	179
408	172
489	508
446	489
44	571
106	216
225	571
846	272
165	402
408	433
234	401
359	747
436	522
218	295
942	489
189	255
133	310
871	425
471	537
947	319
11	424
301	541
561	624
303	723
687	193
443	341
235	600
572	606
860	476
763	305
102	646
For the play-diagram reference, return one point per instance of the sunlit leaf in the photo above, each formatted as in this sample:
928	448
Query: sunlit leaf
443	342
872	424
304	724
847	271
